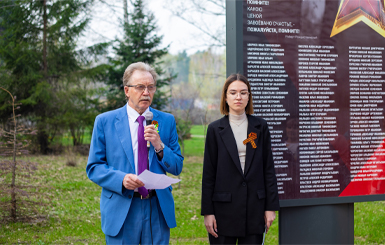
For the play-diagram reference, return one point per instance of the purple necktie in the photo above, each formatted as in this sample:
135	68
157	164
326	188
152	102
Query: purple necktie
142	153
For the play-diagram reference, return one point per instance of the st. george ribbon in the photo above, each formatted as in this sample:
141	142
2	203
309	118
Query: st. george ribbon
149	117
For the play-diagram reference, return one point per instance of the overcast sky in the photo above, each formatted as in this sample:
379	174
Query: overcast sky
177	33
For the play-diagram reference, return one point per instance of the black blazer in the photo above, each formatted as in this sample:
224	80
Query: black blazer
238	200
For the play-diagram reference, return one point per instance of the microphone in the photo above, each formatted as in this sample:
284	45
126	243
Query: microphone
148	118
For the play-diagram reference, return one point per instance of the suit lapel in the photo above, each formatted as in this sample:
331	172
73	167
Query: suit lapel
250	151
229	141
123	130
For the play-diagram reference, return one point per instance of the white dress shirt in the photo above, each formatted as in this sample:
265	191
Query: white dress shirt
134	125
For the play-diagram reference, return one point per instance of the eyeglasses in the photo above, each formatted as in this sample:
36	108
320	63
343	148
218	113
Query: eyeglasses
234	94
140	88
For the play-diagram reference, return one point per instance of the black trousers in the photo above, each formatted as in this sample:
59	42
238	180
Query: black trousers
249	239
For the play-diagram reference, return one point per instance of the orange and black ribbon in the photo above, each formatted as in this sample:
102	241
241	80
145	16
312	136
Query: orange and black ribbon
251	138
156	124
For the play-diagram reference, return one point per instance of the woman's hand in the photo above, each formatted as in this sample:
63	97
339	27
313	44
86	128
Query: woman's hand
269	218
211	225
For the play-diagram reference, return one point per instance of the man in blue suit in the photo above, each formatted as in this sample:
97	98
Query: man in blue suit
127	216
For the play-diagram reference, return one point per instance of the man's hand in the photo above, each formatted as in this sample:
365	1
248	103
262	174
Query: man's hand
211	225
131	182
150	134
269	218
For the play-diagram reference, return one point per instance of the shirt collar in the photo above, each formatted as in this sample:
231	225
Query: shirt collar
133	115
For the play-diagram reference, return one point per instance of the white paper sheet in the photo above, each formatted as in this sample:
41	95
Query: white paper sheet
156	181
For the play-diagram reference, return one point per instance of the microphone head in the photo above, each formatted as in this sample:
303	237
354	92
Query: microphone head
149	115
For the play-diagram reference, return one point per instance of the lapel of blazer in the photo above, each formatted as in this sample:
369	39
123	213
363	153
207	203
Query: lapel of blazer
122	128
228	139
250	151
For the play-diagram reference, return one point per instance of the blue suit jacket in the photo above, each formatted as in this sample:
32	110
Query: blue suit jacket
111	158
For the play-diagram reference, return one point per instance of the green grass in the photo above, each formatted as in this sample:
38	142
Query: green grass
198	130
66	139
73	215
369	219
194	147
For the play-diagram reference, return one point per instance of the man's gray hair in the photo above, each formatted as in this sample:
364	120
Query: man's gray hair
140	66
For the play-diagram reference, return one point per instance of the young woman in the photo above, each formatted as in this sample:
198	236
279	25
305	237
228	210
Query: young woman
239	187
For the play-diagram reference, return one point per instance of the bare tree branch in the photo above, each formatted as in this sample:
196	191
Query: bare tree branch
219	3
200	13
205	31
112	7
212	75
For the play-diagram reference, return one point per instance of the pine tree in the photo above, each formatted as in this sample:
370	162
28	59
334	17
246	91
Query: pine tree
139	44
40	60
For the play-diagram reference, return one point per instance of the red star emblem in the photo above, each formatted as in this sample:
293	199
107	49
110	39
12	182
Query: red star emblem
371	12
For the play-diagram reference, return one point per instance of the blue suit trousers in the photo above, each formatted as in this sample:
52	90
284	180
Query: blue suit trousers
144	224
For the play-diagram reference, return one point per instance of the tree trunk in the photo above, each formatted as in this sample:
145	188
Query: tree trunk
13	193
182	142
45	66
125	12
13	184
76	135
42	138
